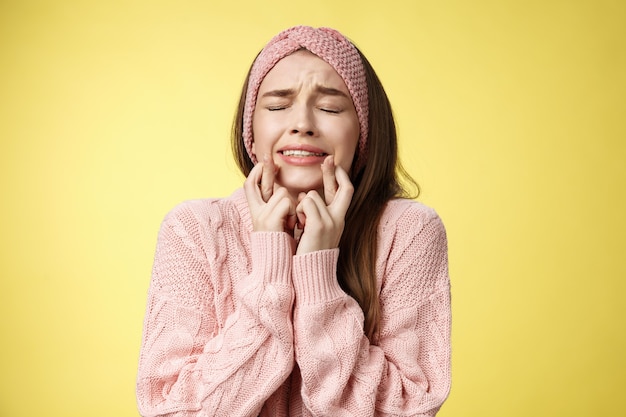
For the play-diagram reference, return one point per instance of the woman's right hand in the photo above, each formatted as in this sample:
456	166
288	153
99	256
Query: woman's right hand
271	207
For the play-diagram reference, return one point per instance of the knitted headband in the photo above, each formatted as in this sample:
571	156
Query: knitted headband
329	45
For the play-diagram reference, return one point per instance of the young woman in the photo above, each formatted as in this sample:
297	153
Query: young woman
317	289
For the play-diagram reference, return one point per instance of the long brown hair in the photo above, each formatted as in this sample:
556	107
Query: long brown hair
377	182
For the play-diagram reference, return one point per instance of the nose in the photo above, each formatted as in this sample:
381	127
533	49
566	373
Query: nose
303	122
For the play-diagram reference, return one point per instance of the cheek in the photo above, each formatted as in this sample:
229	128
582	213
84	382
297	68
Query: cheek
346	158
257	135
261	134
346	145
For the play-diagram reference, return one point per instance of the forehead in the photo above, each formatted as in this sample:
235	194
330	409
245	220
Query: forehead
302	67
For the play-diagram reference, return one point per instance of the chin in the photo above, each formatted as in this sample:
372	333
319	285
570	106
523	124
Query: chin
300	183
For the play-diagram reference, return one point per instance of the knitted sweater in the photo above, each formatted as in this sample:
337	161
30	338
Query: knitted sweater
237	325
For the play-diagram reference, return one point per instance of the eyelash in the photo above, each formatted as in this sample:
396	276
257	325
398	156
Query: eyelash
331	111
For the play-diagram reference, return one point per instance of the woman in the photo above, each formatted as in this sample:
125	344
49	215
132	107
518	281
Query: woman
315	290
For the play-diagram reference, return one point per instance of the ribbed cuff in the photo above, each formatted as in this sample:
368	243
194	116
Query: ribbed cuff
315	277
271	256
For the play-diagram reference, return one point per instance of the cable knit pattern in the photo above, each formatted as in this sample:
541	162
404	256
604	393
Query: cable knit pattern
236	325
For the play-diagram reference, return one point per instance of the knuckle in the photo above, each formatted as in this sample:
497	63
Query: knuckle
280	192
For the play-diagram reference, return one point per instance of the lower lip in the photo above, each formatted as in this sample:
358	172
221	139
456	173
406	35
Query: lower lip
302	160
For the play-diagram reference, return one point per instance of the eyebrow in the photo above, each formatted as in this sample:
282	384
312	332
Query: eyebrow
329	91
279	93
288	92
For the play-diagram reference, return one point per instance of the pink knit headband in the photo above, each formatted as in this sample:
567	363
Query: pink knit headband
329	45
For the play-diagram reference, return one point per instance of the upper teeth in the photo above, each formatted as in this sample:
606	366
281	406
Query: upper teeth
298	152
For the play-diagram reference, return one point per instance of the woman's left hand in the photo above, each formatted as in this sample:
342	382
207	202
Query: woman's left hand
323	219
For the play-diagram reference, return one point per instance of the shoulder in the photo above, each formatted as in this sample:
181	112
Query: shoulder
413	249
194	212
410	231
207	214
410	218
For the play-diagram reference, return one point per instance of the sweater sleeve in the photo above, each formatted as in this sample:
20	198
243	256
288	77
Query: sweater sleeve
193	361
407	373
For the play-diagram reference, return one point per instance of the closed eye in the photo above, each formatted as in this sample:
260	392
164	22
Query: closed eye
332	111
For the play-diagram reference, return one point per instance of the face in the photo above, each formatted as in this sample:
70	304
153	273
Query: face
304	113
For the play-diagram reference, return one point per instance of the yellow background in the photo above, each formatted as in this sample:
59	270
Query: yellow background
511	116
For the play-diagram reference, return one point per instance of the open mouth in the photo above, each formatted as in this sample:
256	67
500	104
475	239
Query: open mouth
301	153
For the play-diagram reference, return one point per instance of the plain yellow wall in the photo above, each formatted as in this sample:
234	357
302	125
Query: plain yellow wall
511	116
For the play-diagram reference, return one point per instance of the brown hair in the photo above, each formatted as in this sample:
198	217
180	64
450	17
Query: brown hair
374	185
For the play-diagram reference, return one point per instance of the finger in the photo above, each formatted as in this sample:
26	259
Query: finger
308	209
322	210
277	213
281	208
251	188
314	209
291	221
321	232
299	212
344	193
267	178
328	177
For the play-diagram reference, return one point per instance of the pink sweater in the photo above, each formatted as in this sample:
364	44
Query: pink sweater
236	325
